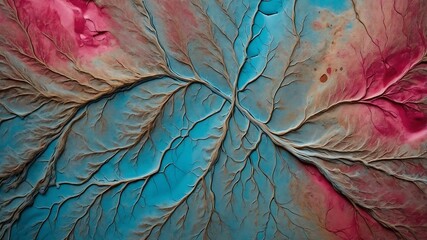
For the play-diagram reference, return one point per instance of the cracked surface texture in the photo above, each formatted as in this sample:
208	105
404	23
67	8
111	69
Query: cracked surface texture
213	119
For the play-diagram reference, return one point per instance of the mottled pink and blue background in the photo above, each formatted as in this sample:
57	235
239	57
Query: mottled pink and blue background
213	119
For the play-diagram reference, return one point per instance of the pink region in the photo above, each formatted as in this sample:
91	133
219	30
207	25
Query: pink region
383	72
410	117
77	26
397	98
391	93
340	216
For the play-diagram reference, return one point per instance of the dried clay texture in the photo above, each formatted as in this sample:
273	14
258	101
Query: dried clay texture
213	119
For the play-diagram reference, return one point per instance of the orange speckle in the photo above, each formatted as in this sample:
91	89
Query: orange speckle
323	78
317	25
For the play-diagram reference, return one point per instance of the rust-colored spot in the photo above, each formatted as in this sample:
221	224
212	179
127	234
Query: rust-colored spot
329	70
323	78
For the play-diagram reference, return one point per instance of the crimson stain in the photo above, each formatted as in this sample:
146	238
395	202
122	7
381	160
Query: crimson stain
73	23
395	103
341	216
383	72
323	78
411	117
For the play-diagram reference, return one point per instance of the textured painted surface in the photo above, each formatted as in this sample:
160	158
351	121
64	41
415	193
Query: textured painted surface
213	119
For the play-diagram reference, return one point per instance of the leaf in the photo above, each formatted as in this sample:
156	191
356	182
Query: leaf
224	119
